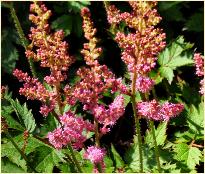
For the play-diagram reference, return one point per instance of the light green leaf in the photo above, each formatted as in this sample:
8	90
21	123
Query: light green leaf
9	167
195	119
132	158
109	165
189	155
64	22
8	150
46	158
160	134
119	163
167	72
174	56
126	99
24	115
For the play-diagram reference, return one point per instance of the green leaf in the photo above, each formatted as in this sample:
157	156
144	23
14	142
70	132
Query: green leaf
119	163
64	22
189	155
195	119
194	22
24	115
174	56
6	112
109	165
8	150
167	73
76	6
132	158
9	167
160	134
46	158
9	52
126	99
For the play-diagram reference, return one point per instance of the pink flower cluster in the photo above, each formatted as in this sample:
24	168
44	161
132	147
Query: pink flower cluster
96	156
153	110
108	117
70	132
34	90
140	48
144	84
199	63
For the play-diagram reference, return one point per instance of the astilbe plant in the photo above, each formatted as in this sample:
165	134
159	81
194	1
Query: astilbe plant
140	47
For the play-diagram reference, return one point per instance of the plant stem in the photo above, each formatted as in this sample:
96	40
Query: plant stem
151	123
22	37
137	121
74	158
97	138
19	150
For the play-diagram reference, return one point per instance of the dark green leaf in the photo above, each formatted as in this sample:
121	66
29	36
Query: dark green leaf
195	22
64	23
6	112
76	6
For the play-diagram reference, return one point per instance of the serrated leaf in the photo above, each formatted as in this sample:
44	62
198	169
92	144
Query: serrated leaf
167	73
160	134
132	158
174	56
8	150
46	158
195	119
24	115
189	155
6	112
118	161
64	22
9	167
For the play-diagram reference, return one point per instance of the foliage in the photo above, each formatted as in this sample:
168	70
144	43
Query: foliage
25	138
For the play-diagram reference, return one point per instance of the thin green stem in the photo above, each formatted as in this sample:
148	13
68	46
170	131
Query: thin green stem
22	37
19	150
133	100
139	137
151	124
74	158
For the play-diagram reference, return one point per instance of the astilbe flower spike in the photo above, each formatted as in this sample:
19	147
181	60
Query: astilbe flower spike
95	80
153	110
52	53
140	47
199	63
96	156
71	131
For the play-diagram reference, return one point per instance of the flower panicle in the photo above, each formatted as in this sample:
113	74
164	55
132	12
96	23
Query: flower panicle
71	131
140	47
199	63
154	111
51	49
